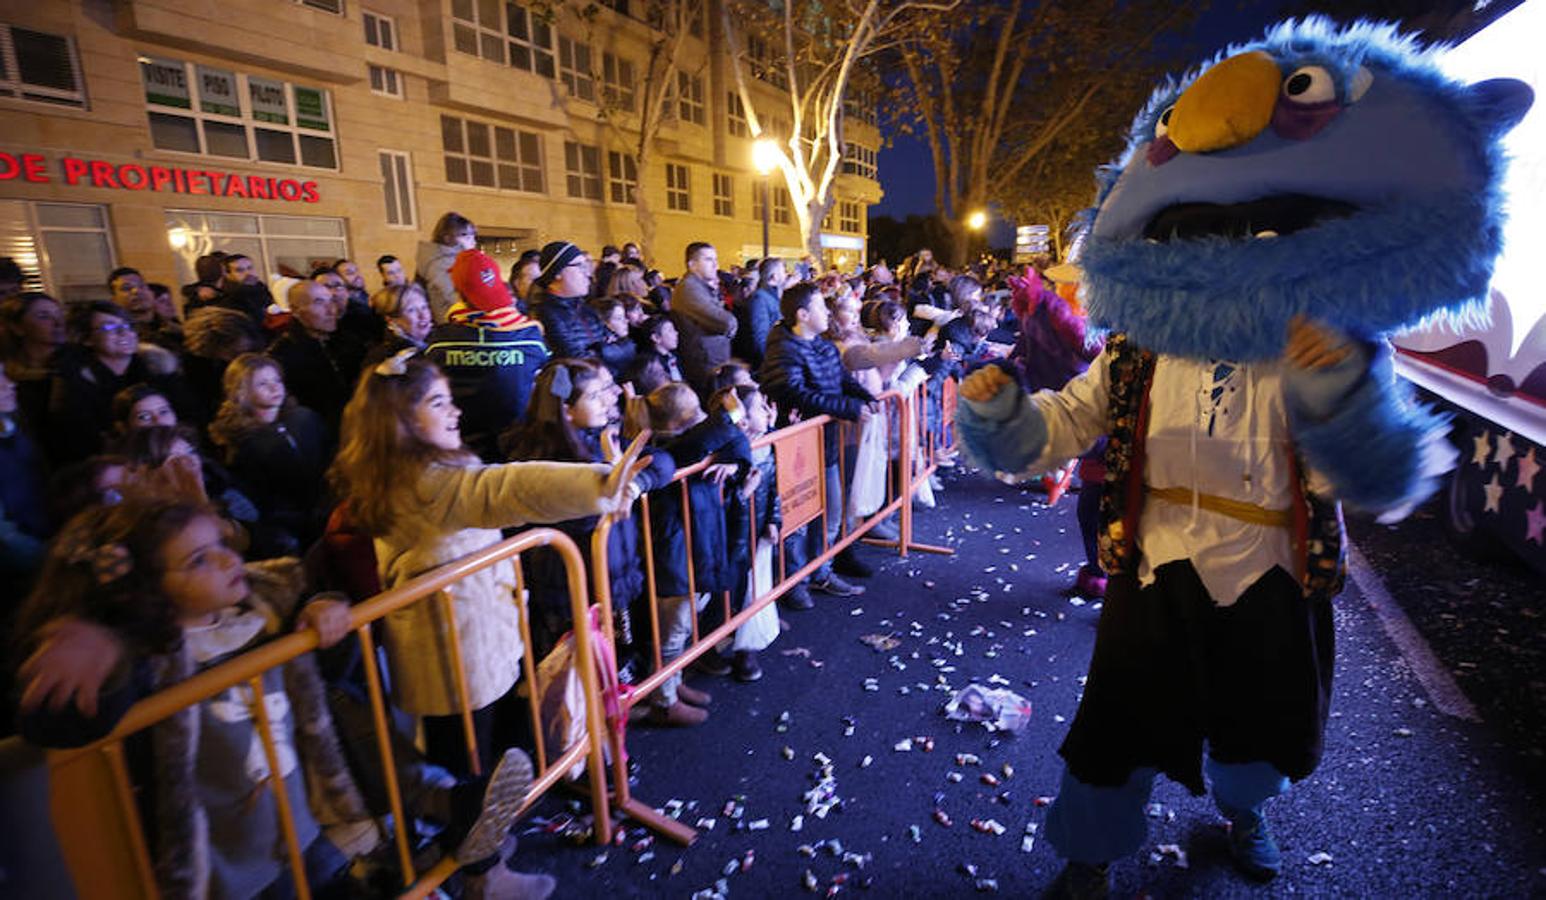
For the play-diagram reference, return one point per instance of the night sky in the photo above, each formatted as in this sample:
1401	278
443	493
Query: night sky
907	173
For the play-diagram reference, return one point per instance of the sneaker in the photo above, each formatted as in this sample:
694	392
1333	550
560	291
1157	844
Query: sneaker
885	530
797	598
1251	844
677	715
503	883
847	563
711	663
837	587
499	801
935	483
1091	583
746	667
1081	881
694	696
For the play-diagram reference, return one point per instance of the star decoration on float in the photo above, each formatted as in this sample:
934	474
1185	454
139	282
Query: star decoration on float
1535	524
1494	490
1524	475
1503	449
1483	449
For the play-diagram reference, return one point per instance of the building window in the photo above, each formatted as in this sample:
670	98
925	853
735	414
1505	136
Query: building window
491	156
783	208
397	188
678	188
758	193
65	249
689	96
862	105
40	67
724	195
617	81
582	169
505	33
216	112
336	7
859	160
622	177
574	69
735	113
278	245
386	82
849	216
380	31
765	64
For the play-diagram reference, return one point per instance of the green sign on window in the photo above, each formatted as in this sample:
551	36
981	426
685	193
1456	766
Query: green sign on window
268	100
166	82
310	108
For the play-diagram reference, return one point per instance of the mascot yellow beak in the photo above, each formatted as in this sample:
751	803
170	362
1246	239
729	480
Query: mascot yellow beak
1227	105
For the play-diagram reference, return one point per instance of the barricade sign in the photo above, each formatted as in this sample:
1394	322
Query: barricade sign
801	469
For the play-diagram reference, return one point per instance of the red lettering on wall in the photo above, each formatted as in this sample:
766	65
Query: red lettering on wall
133	177
74	170
33	168
102	174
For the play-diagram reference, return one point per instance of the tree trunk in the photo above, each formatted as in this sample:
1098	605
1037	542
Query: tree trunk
960	238
643	215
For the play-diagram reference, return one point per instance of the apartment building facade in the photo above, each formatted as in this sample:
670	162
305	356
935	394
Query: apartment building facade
149	132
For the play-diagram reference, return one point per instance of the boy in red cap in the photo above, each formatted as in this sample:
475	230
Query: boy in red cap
489	350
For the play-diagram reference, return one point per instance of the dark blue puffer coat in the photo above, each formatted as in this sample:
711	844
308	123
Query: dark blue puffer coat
712	569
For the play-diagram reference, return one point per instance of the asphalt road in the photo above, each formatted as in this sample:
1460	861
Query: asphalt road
1409	802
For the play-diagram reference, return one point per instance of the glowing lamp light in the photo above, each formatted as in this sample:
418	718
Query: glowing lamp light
765	156
178	238
977	220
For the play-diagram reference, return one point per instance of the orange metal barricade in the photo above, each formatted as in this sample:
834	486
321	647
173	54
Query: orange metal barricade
92	801
916	460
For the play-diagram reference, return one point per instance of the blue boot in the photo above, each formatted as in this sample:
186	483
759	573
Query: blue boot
1250	842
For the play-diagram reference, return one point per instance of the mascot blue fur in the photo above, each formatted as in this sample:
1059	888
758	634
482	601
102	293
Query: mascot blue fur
1275	215
1378	177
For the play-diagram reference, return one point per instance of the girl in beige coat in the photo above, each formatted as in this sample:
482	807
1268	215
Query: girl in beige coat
426	501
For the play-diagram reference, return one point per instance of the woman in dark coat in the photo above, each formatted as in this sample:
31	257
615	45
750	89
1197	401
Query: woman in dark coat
102	359
277	450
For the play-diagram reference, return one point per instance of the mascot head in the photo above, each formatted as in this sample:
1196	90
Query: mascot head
1331	172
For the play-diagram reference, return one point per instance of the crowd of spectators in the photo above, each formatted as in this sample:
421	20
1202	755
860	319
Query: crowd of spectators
376	434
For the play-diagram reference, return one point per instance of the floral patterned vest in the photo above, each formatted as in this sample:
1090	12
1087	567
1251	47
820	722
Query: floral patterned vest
1317	522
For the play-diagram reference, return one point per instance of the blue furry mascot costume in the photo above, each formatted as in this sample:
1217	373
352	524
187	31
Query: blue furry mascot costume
1274	216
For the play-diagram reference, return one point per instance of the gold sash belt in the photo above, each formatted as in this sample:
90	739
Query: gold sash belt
1239	510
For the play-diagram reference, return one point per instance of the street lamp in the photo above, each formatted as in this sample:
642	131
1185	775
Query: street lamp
765	159
976	221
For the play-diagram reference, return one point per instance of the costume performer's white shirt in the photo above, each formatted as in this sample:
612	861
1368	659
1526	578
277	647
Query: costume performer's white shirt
1215	427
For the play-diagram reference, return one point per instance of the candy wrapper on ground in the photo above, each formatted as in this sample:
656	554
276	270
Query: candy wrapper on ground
996	708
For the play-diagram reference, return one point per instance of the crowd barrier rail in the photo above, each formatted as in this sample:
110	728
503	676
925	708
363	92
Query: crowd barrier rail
104	843
919	451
